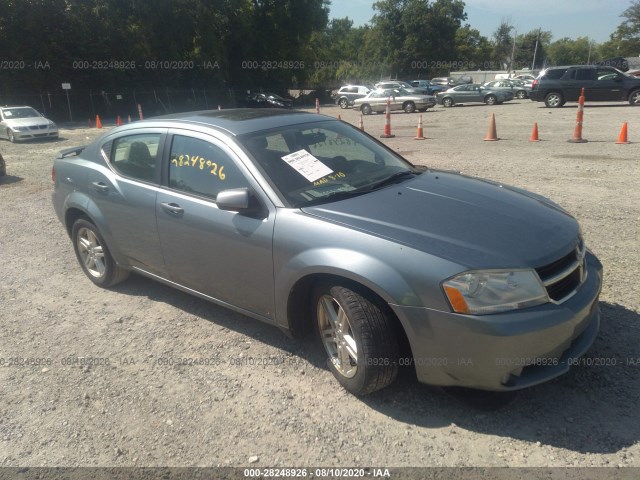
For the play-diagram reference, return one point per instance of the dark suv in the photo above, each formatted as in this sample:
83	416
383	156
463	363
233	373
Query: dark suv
557	85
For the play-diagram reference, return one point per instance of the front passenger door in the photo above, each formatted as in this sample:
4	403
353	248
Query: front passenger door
225	255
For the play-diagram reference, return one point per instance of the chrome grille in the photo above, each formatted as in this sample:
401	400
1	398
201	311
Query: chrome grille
563	277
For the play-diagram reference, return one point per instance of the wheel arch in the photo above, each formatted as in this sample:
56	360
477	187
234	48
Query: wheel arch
78	205
380	282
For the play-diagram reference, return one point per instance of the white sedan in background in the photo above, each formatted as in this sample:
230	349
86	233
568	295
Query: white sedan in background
25	123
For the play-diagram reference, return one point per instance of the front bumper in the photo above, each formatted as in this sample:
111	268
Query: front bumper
507	351
34	133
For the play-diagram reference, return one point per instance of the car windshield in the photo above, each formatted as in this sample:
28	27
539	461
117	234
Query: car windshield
22	112
324	161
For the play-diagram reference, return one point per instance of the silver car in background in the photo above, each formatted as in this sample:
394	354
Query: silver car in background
305	222
472	93
518	88
25	123
376	101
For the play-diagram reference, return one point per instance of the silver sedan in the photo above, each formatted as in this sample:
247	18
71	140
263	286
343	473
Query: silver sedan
25	123
472	93
376	101
305	222
518	88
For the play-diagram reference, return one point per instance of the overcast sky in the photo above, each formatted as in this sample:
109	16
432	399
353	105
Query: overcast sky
595	19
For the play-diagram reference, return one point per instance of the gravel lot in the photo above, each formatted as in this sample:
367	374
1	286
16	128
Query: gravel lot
87	377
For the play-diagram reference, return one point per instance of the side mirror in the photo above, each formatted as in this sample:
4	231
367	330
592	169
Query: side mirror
239	200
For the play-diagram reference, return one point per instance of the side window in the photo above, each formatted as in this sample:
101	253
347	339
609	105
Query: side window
584	74
135	156
606	74
200	167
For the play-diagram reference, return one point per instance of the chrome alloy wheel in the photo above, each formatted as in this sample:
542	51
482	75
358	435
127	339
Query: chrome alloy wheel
91	252
337	336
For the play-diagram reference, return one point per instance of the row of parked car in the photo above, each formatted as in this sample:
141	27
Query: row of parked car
419	95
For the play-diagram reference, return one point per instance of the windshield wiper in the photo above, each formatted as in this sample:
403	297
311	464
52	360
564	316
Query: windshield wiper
390	180
336	196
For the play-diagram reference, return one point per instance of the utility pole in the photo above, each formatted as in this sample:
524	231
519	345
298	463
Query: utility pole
535	50
513	50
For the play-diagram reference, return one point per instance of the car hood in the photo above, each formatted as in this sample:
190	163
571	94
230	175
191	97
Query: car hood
473	222
26	122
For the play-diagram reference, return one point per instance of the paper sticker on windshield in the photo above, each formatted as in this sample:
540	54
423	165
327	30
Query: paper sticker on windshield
307	165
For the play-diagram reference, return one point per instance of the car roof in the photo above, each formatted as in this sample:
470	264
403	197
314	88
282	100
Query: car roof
238	121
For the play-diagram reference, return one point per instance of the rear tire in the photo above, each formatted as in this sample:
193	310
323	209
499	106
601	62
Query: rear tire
343	102
554	100
94	256
490	100
409	107
521	94
359	337
366	109
447	102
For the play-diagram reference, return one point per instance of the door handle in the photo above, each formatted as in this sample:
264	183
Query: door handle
100	187
172	208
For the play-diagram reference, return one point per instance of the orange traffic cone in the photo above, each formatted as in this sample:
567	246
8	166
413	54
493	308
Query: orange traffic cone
622	138
387	121
419	133
492	135
577	132
361	126
317	105
534	133
98	122
118	121
339	118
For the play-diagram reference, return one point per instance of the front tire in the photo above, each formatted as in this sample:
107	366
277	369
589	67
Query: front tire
366	109
634	98
359	337
521	94
491	100
447	102
94	256
11	136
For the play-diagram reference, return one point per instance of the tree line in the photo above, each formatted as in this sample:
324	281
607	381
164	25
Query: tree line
101	45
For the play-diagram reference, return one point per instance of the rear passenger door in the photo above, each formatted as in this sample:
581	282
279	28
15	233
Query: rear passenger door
575	80
125	196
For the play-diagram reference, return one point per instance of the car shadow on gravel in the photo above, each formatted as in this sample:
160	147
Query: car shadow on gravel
591	409
260	331
9	179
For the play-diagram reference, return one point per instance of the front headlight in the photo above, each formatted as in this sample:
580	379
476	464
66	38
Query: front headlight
51	124
485	292
20	129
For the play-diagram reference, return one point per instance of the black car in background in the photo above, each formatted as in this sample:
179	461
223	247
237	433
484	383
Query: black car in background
267	100
557	85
